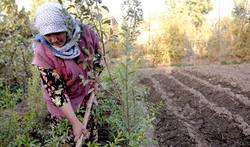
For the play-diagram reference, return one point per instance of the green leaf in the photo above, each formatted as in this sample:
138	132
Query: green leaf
98	17
60	1
86	50
81	77
86	82
104	85
91	74
114	37
106	8
91	90
111	32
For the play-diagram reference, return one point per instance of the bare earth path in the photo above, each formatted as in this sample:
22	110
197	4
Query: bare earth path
204	106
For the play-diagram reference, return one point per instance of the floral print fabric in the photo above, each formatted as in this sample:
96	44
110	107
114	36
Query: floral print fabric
56	89
54	86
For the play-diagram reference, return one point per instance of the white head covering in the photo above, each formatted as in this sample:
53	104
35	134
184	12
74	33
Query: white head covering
49	18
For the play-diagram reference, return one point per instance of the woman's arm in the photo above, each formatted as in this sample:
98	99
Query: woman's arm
77	126
56	90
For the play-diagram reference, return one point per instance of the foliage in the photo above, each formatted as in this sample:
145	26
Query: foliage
184	35
230	37
220	43
130	117
236	62
169	44
195	10
15	44
8	101
224	63
59	136
241	29
21	122
132	17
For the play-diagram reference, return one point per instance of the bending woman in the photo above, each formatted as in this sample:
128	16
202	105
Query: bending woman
60	56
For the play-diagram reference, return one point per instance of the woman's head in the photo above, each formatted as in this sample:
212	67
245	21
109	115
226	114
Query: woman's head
56	39
51	22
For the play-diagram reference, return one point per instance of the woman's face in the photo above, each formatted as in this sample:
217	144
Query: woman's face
56	39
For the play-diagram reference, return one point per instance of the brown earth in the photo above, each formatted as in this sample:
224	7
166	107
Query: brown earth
204	106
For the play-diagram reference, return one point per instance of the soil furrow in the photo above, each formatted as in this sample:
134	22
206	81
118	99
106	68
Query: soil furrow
207	118
238	84
223	97
198	112
171	125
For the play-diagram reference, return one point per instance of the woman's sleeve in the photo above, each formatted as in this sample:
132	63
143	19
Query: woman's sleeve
98	65
55	86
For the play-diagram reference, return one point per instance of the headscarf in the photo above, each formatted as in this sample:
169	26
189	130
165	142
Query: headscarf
51	18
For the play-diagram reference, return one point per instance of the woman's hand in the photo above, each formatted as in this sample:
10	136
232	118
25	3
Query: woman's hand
96	86
78	130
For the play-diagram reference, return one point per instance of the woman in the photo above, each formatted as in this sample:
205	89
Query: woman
60	55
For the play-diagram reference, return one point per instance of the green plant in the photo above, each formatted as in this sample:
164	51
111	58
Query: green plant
9	125
117	140
128	116
20	125
224	63
237	62
177	64
59	135
16	52
25	140
8	99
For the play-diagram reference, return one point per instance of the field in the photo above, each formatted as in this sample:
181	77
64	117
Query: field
204	106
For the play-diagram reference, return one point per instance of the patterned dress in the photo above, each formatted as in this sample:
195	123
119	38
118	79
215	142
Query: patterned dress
56	90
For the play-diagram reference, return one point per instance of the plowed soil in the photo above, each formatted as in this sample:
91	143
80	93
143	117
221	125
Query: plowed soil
204	106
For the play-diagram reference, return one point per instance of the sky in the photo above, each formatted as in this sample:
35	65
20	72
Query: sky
223	6
151	6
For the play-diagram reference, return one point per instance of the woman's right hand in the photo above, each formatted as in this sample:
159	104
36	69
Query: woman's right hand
78	130
77	126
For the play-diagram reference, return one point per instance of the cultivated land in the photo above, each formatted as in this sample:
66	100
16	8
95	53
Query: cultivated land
204	106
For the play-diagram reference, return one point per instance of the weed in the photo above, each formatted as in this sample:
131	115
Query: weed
237	62
224	63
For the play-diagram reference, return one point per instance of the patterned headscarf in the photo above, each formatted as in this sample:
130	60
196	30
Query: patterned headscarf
50	18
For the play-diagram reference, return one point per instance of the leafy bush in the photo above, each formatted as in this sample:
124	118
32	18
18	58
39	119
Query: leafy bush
15	44
21	125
